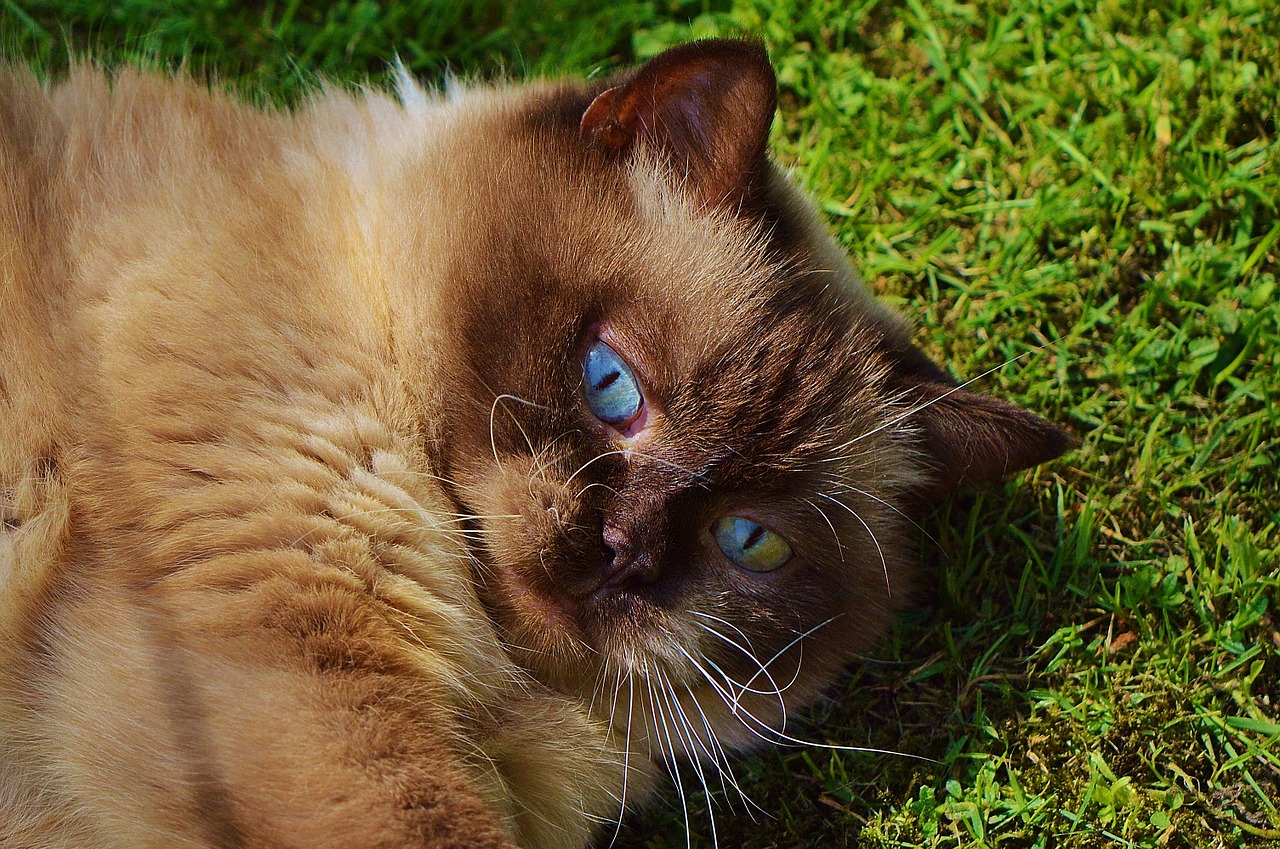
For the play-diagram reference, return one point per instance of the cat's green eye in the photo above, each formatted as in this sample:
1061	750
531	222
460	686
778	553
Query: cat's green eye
750	545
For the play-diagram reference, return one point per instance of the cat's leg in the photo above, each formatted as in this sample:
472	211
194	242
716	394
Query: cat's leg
286	711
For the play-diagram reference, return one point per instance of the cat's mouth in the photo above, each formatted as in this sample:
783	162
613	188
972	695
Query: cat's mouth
564	624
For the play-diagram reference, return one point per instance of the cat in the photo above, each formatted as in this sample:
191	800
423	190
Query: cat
433	470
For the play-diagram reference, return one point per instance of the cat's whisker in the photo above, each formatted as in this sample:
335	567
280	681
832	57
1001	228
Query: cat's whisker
540	465
417	474
835	536
626	752
533	452
736	707
599	688
741	688
712	753
493	441
738	692
669	755
493	409
415	513
884	564
726	772
727	623
731	700
739	711
800	661
776	691
472	517
505	396
840	453
679	720
356	390
711	749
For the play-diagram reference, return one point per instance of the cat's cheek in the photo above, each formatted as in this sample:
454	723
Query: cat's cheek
749	583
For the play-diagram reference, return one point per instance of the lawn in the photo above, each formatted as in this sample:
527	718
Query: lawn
1081	194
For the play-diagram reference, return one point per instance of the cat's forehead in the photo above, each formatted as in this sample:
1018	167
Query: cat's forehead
734	340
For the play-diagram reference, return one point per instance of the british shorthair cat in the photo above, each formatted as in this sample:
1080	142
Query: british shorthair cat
433	470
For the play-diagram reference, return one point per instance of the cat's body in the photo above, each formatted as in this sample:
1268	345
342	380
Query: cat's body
308	536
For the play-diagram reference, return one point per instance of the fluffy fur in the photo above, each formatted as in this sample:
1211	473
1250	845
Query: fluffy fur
304	516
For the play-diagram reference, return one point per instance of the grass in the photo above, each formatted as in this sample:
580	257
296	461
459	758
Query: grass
1088	187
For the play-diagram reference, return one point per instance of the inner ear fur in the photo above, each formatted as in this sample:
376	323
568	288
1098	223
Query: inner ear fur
968	438
704	107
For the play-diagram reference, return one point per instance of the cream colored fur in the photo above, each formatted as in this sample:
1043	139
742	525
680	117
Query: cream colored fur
170	317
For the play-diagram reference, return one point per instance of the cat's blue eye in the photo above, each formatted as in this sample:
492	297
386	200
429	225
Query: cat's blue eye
750	545
613	394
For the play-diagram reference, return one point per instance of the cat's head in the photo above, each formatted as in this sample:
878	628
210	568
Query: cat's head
688	436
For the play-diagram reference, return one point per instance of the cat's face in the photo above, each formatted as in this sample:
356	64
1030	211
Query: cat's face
671	462
684	434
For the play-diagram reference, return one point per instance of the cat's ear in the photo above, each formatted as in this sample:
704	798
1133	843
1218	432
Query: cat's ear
969	438
705	107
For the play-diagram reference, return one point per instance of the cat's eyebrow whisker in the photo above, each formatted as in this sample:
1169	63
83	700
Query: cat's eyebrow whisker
598	457
827	519
884	564
631	452
891	400
911	412
583	491
846	487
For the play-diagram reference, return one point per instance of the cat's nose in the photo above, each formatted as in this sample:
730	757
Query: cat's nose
625	561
